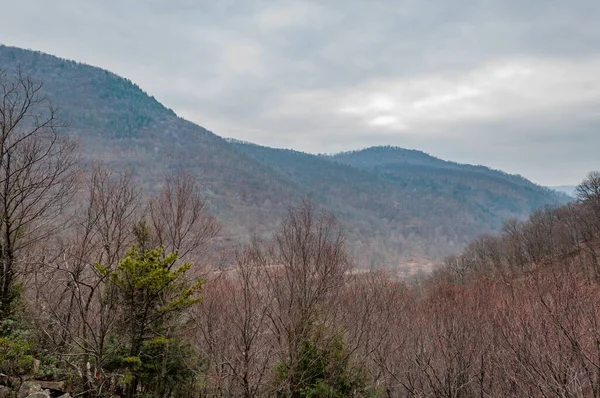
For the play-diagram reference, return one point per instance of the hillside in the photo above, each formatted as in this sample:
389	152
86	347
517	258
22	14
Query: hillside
493	193
406	199
122	125
399	206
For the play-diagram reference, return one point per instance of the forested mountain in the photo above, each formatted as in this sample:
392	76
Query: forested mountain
398	206
406	199
119	123
490	196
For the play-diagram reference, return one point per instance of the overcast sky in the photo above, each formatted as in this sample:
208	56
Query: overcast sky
511	84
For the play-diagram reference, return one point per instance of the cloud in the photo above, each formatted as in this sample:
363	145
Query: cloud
242	58
282	15
506	83
495	91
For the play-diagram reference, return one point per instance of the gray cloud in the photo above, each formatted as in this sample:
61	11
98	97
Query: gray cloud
510	84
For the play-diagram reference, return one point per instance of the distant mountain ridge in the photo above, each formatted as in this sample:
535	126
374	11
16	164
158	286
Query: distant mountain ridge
566	189
378	156
398	205
414	196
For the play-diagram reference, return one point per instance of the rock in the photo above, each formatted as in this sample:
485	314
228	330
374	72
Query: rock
36	366
39	394
42	389
51	385
5	392
31	389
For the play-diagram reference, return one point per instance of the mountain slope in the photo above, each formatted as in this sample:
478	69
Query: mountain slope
120	124
407	202
398	205
473	185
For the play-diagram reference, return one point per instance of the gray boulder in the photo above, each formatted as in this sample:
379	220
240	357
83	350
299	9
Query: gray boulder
31	389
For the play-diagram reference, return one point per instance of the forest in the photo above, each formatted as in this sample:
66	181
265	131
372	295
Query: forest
110	289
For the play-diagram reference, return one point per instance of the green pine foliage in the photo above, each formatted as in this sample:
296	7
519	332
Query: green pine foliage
153	293
16	357
322	368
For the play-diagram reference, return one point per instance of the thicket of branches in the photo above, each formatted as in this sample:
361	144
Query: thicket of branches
116	291
516	314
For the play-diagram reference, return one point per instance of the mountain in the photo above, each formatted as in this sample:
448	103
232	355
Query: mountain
392	198
566	189
490	195
399	206
119	123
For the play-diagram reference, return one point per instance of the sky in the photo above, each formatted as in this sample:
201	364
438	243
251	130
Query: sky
510	84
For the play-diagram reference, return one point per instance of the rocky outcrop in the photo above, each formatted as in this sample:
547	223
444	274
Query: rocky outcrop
42	389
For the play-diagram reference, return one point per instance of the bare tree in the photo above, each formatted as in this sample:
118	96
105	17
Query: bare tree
232	325
589	189
37	174
180	217
376	314
588	216
308	267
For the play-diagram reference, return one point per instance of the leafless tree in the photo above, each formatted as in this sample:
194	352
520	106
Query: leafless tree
376	313
308	268
589	189
232	325
180	217
37	174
